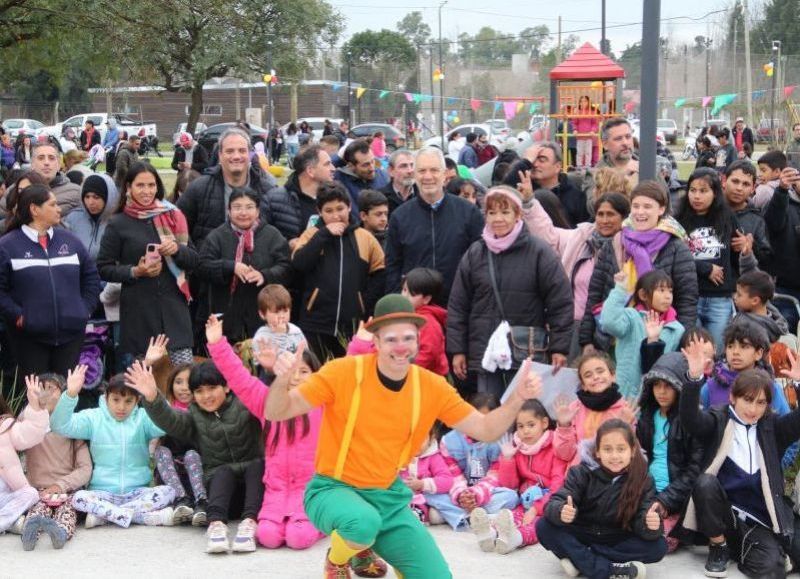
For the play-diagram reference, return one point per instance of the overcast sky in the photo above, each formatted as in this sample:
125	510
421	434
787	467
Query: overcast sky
623	17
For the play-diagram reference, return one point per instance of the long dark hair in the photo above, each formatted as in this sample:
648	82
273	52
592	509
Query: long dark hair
719	213
133	172
32	195
630	497
553	207
312	362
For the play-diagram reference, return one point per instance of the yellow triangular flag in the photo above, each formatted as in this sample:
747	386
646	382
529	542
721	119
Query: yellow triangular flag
360	92
520	106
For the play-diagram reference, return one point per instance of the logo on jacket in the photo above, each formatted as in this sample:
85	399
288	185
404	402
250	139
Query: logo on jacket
28	255
63	250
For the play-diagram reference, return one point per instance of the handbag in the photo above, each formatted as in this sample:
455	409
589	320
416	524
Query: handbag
525	341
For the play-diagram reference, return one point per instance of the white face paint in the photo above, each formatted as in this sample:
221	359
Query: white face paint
397	345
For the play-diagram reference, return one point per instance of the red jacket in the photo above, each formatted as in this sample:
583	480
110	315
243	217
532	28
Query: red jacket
543	468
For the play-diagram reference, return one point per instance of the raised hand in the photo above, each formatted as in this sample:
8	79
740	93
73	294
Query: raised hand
653	520
362	333
34	386
287	362
266	353
213	329
140	378
629	411
564	413
507	446
156	349
621	278
525	185
530	384
696	357
653	324
568	511
76	379
793	373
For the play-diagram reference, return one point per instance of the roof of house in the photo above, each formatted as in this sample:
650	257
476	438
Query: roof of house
587	63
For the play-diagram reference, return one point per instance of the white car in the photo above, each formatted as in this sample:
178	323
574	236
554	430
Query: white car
496	139
124	123
14	127
635	130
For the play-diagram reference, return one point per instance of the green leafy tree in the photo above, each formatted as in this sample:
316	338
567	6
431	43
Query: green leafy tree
380	48
533	40
489	47
415	29
779	23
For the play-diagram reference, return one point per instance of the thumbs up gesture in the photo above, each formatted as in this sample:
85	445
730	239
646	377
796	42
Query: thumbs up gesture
653	519
568	511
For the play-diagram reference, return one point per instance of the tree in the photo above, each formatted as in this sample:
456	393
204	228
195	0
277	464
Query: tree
779	23
488	47
414	29
631	61
533	39
204	39
22	20
380	48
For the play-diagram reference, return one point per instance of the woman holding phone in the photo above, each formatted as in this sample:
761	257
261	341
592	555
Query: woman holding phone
146	249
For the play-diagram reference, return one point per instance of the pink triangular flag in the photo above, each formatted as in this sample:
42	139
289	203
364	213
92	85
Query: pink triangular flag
474	104
409	97
707	101
788	90
510	108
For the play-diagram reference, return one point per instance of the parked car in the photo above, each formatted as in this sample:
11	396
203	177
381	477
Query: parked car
764	130
479	129
125	123
14	127
198	128
209	137
669	128
635	128
499	127
394	138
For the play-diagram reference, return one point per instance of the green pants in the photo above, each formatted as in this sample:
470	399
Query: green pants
377	517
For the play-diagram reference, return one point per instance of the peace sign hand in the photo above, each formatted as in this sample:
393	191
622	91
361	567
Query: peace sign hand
287	363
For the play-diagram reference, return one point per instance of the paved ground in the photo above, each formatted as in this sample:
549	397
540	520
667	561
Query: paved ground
150	553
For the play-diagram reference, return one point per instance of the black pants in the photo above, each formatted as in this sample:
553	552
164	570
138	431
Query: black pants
759	551
496	382
232	495
592	559
35	357
325	346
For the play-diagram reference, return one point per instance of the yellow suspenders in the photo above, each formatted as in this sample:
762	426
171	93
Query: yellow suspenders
347	438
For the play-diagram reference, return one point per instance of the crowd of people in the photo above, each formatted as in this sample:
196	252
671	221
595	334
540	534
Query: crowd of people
257	342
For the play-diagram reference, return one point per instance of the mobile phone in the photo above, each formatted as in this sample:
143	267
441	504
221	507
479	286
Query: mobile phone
152	252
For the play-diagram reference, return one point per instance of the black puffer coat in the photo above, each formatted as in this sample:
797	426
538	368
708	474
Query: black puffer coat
674	258
534	288
288	208
782	217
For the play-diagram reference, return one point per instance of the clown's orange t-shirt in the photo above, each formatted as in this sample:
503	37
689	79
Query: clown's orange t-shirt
384	419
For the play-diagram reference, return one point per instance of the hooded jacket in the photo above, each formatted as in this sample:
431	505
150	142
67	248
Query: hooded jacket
431	468
88	228
355	184
473	464
288	208
119	448
199	157
68	194
782	217
15	436
751	221
684	452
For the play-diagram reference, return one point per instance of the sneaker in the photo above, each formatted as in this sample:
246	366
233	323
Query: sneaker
629	570
199	518
94	521
435	517
368	564
508	537
18	525
217	538
570	570
245	541
182	512
58	534
717	562
482	528
160	518
333	571
30	532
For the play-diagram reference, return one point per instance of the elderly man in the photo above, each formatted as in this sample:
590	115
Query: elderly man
547	174
432	230
359	173
369	402
205	202
189	155
402	187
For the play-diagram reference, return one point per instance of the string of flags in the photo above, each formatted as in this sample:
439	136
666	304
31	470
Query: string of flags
722	100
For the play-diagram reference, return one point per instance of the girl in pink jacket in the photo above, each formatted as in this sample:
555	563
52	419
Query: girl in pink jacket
16	494
585	125
529	465
427	474
598	400
289	447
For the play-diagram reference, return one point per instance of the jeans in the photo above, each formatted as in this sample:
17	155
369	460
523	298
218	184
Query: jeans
458	518
713	314
291	151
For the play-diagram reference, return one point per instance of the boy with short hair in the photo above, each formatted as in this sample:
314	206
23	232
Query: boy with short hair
343	271
754	290
230	441
119	434
770	165
373	210
739	181
275	308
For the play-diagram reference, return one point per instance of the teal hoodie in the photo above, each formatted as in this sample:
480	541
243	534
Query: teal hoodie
119	449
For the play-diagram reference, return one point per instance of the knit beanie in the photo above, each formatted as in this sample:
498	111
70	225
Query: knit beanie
97	185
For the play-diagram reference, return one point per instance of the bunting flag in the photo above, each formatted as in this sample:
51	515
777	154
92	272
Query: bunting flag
409	97
426	98
360	92
679	103
533	108
707	100
629	107
520	106
438	74
769	69
758	94
271	77
497	106
451	101
336	87
722	100
510	109
788	90
474	104
383	94
417	98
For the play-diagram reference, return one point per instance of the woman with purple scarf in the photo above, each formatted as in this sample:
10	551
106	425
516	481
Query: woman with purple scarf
650	239
533	289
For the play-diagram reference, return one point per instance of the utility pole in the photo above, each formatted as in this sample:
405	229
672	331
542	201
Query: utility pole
776	58
651	16
269	99
707	43
558	50
349	93
733	56
749	70
603	40
441	79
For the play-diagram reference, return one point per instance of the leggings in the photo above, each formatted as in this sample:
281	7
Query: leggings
295	531
13	504
528	531
124	509
64	515
191	463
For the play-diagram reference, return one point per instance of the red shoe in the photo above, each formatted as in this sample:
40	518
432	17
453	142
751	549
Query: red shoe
333	571
368	564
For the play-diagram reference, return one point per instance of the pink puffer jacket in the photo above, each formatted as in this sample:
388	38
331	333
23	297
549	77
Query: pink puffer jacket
18	435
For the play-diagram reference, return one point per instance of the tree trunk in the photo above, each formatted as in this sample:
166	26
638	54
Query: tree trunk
195	108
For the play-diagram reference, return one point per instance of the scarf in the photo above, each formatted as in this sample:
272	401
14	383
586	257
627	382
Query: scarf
500	244
596	242
600	401
245	245
669	316
532	449
170	224
643	246
719	384
178	405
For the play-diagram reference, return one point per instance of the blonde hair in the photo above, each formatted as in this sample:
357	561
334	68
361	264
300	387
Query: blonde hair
74	157
610	180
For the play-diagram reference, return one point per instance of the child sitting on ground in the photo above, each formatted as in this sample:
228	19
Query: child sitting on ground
57	467
275	307
652	295
427	474
529	465
119	434
475	468
16	493
229	440
604	522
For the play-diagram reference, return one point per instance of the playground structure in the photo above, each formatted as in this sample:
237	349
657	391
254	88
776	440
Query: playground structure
588	73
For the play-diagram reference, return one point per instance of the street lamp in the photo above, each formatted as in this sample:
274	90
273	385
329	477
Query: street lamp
271	117
349	93
603	40
776	57
441	78
707	43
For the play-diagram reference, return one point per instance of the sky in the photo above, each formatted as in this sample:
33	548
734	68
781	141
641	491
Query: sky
684	19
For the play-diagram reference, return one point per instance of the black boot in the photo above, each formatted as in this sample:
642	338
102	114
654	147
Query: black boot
717	562
629	570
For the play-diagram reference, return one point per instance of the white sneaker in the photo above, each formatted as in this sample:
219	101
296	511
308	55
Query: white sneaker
16	528
508	536
570	570
94	521
435	517
482	528
160	518
217	538
245	541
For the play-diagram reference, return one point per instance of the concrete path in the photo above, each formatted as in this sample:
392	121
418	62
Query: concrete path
177	553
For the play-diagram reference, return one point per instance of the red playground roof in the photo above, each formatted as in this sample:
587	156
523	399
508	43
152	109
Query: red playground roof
587	63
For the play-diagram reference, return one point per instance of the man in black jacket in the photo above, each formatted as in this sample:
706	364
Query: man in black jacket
205	202
433	230
290	207
547	174
402	186
189	155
